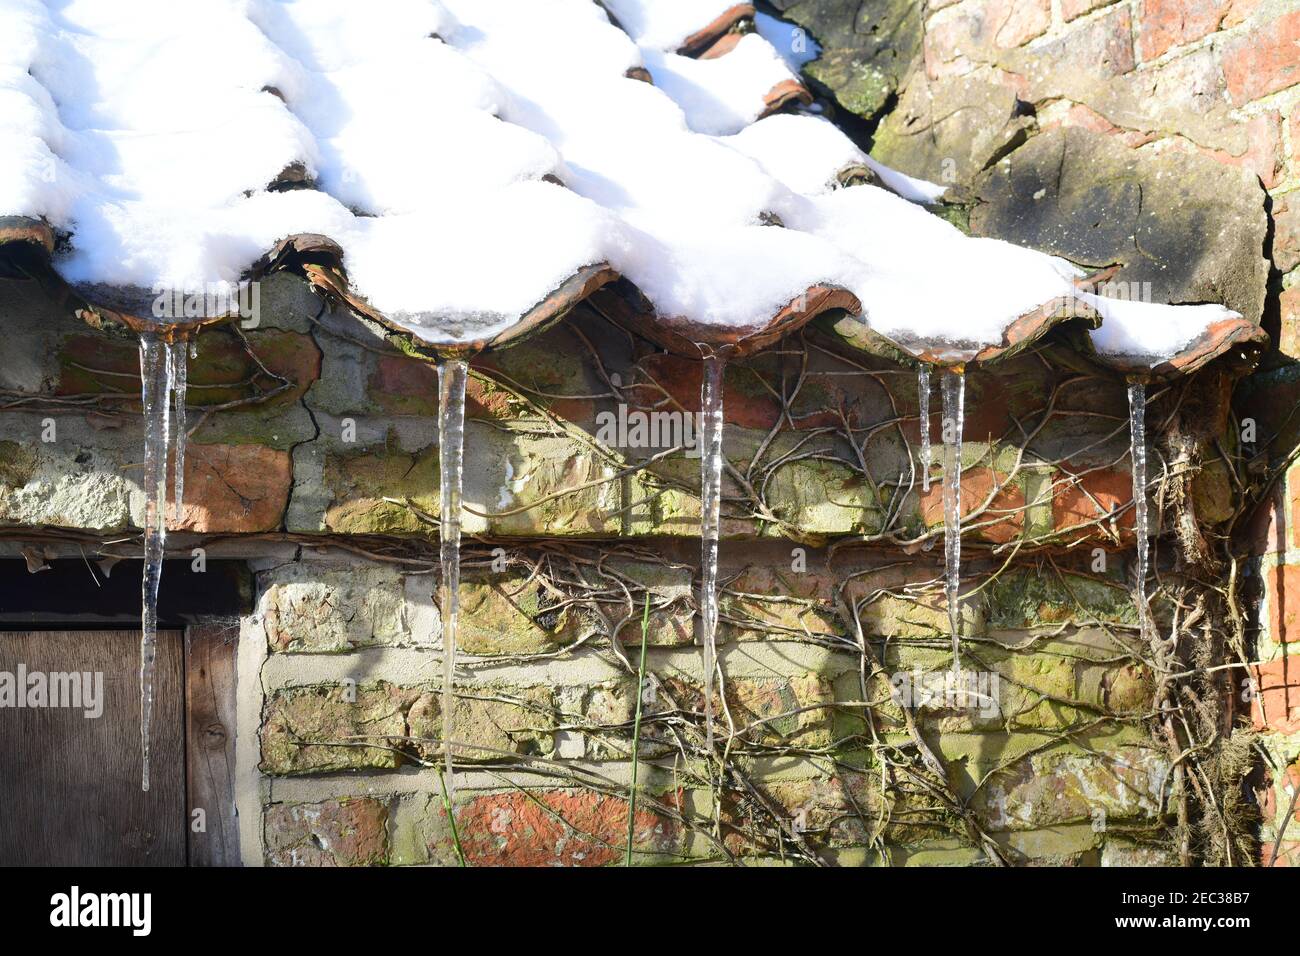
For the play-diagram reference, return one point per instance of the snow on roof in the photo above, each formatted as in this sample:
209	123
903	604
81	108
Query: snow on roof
919	278
1150	331
821	158
725	94
422	135
669	24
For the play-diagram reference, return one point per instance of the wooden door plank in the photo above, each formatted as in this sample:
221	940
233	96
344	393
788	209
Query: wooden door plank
210	742
70	785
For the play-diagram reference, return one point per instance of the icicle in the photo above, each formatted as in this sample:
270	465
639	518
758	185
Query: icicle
452	376
179	378
710	515
156	377
954	401
1137	410
923	400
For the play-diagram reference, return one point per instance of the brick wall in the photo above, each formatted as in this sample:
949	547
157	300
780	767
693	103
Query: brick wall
320	469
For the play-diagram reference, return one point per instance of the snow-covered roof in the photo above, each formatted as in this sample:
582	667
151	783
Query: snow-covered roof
479	165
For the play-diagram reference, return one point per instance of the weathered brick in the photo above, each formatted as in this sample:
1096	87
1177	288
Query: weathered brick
773	602
1004	518
1263	60
1071	9
1294	121
314	609
514	613
347	832
1100	47
1095	495
1283	584
1169	23
1118	852
317	729
1286	212
488	723
829	812
680	378
1048	596
364	489
1062	787
795	710
1288	342
959	37
1079	114
403	385
561	828
1263	154
1276	702
234	489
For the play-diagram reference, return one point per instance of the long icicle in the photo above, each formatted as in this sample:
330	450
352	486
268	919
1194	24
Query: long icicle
156	378
177	354
954	401
452	376
1137	411
710	517
923	402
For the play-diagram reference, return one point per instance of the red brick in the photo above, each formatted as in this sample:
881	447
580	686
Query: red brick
405	386
1276	704
973	32
1094	495
1003	521
1168	23
1283	584
234	489
558	828
662	375
401	385
1263	61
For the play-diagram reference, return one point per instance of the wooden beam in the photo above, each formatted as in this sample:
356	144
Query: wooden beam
210	651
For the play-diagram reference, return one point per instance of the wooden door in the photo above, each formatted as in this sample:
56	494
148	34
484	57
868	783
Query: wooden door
70	785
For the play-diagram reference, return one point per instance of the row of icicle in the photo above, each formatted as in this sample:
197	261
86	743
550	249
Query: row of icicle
163	396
